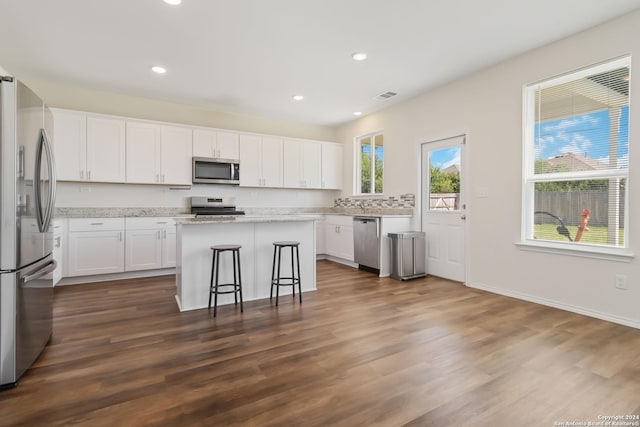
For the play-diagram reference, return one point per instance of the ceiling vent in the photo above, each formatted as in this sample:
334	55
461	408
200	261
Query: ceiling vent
386	95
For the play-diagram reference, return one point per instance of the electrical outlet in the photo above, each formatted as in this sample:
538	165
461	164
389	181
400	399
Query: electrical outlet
621	281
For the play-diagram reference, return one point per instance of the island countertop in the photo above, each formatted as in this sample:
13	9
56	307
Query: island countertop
228	219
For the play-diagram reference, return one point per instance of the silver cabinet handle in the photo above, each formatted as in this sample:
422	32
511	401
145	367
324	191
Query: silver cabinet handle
158	235
58	244
162	222
82	174
88	175
97	223
463	217
120	236
164	234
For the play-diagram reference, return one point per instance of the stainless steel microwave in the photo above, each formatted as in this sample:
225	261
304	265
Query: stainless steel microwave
215	171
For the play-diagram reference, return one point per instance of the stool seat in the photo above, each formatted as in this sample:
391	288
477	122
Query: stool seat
234	288
222	248
278	280
286	243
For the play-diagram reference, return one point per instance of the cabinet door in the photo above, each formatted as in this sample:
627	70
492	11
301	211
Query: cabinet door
250	161
291	168
204	143
169	247
344	242
57	250
332	166
95	252
70	145
228	146
143	250
271	162
106	150
310	160
176	155
143	153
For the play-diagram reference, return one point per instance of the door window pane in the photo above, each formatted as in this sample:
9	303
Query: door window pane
444	179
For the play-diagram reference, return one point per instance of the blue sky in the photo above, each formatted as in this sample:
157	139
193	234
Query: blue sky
445	157
586	135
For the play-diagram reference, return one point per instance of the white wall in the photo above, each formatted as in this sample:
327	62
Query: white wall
75	195
488	106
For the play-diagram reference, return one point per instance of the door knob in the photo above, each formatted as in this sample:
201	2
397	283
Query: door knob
463	217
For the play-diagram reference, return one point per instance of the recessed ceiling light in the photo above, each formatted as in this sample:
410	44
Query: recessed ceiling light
173	2
298	97
359	56
158	69
357	113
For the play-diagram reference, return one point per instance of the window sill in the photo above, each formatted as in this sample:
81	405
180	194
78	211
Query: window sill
585	251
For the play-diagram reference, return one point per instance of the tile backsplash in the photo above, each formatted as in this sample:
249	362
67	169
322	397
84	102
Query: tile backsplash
401	201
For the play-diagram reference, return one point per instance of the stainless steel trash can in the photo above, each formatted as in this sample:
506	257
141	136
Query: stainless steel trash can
407	255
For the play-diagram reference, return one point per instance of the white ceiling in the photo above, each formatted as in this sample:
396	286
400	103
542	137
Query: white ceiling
251	56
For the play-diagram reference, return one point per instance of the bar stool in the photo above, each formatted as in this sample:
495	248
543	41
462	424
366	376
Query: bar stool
290	281
236	286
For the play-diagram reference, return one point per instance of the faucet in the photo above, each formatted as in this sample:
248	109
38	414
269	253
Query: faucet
361	204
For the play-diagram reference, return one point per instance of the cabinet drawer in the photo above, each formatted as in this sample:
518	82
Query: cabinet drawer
346	220
149	223
96	224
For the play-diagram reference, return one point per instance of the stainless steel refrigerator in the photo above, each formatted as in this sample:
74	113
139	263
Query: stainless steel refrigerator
27	199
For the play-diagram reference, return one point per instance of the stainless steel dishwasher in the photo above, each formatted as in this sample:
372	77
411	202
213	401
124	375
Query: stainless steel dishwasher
366	242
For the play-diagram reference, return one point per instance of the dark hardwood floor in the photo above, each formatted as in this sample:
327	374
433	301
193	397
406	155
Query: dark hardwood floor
361	351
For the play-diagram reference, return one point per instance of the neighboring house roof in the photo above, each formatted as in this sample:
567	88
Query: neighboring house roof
453	170
576	162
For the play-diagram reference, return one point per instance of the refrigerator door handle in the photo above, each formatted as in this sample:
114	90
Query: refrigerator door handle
48	268
44	214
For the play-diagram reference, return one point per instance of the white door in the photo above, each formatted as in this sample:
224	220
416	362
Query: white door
271	162
443	207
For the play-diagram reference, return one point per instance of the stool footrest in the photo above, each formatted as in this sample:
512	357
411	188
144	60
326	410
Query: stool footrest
291	281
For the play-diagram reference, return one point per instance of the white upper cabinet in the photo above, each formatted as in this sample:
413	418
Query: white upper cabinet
89	148
302	164
332	155
158	154
70	145
143	153
176	155
106	150
210	143
260	161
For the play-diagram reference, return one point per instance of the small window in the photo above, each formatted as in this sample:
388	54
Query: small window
576	161
369	164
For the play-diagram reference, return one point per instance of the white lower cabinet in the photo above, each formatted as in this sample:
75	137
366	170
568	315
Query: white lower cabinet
96	246
58	233
339	236
150	243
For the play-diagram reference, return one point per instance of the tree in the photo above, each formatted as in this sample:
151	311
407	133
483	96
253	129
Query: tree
443	183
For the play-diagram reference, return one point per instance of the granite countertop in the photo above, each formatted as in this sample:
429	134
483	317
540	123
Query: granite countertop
250	212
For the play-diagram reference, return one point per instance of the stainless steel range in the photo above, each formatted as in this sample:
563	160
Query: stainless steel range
201	206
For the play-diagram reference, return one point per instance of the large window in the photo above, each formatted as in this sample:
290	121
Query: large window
576	159
369	164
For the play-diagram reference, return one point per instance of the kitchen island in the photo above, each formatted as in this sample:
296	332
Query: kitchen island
256	234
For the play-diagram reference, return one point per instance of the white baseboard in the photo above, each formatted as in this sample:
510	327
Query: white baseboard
336	259
115	276
543	301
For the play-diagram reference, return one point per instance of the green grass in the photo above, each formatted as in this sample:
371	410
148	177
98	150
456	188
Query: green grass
595	235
